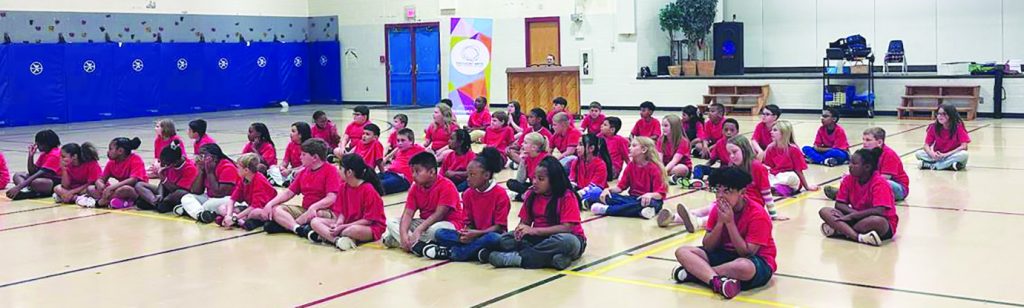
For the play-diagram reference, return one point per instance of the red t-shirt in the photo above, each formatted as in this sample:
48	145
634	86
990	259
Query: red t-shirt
891	164
226	172
592	125
428	199
876	192
204	140
354	131
486	208
370	152
257	193
456	162
643	179
499	138
393	140
835	140
50	161
593	171
667	152
183	176
159	143
480	118
292	153
755	227
695	130
438	135
760	186
551	117
526	130
719	151
531	164
361	202
5	174
130	167
83	174
763	135
713	131
569	138
400	163
522	122
266	151
618	149
329	133
943	141
782	160
315	184
649	127
568	212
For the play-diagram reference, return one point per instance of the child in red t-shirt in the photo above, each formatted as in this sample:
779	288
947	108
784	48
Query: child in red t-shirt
246	206
719	153
675	150
647	125
197	132
499	134
79	168
592	121
537	122
177	175
786	162
124	167
550	234
693	128
725	263
564	140
535	148
359	208
437	202
865	210
43	173
165	133
318	184
558	105
945	146
261	144
890	166
369	147
486	206
397	123
283	174
397	173
591	167
353	131
644	177
436	135
712	129
5	173
516	117
763	130
454	164
830	145
218	177
325	129
479	119
618	146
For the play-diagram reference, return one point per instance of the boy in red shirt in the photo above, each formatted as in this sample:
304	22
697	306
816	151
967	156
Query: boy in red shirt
725	263
865	210
647	125
486	206
437	202
558	105
247	204
479	119
945	146
719	153
565	139
593	120
397	123
712	129
830	145
318	184
197	131
398	174
618	146
369	147
354	130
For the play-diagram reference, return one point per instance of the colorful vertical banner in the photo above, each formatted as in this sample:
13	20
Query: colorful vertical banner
469	72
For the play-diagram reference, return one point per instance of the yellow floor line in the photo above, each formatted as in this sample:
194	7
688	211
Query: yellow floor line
677	288
656	249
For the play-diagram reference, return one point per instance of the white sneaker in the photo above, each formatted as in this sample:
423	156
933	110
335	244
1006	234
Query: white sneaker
85	201
598	208
345	243
56	198
827	230
647	212
870	238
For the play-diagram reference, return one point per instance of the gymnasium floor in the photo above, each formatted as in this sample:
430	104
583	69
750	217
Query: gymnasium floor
956	245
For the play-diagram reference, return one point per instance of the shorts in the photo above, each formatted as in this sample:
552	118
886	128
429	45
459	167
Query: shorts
762	272
296	210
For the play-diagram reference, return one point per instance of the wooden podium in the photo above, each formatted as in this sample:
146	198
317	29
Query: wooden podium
535	87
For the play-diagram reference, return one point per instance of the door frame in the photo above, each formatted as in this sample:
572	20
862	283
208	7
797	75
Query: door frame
387	53
558	24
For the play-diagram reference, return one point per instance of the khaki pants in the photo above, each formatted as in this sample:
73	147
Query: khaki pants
392	238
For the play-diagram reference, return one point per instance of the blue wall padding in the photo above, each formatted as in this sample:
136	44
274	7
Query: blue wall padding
34	81
325	73
137	83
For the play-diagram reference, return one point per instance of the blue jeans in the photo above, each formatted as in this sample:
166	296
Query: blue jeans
461	251
627	206
393	183
820	157
897	190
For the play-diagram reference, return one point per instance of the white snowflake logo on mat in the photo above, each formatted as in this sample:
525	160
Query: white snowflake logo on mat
182	64
297	61
89	66
261	61
138	65
35	68
323	60
223	63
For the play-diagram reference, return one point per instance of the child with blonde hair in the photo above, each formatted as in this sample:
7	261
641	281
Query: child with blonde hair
644	177
786	162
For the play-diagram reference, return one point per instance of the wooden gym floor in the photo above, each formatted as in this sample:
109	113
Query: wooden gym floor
955	247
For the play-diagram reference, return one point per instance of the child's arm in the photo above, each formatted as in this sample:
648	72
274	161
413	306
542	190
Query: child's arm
403	228
962	147
821	148
324	203
740	244
11	193
216	187
713	239
65	177
31	166
803	181
439	215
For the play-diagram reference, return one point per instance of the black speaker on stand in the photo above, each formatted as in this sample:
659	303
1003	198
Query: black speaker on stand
663	63
728	38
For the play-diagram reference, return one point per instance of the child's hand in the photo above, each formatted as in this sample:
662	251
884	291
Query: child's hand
32	148
11	193
812	187
604	194
725	213
645	199
228	222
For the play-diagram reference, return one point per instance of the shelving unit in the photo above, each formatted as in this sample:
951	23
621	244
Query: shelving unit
840	89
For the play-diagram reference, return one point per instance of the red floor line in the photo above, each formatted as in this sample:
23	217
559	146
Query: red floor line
53	221
373	284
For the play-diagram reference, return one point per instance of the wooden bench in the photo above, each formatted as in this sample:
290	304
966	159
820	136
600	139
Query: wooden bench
926	99
737	97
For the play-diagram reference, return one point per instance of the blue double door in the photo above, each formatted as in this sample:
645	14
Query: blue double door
414	65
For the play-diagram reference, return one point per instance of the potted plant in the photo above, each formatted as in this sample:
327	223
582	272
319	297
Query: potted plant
671	19
700	15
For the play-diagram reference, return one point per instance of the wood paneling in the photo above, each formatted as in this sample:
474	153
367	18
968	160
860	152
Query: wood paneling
543	40
535	87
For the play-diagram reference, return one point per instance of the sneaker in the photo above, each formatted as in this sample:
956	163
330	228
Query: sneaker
685	182
345	243
698	184
598	208
827	230
303	231
206	217
665	218
647	212
684	214
315	238
783	190
925	166
252	224
273	227
505	259
118	203
561	261
673	180
483	255
437	252
680	274
725	286
390	241
956	167
57	199
831	192
180	210
831	162
417	249
85	201
870	238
